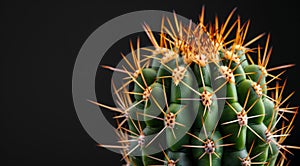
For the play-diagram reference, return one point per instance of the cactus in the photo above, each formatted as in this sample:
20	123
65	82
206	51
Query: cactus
199	98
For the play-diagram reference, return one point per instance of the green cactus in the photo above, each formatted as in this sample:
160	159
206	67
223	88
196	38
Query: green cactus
199	99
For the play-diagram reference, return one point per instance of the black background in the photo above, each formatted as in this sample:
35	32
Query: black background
39	45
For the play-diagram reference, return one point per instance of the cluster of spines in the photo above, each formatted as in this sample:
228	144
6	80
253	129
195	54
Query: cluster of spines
246	131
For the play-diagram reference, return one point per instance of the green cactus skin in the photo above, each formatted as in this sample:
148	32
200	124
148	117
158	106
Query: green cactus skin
237	135
211	107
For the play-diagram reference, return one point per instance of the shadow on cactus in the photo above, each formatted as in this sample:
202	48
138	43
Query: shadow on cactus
202	96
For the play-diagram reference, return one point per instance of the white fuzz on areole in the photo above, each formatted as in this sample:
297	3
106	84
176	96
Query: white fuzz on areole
160	50
227	74
242	119
263	71
170	120
187	58
178	74
239	47
147	93
200	59
141	140
246	161
206	98
168	56
232	56
209	147
257	88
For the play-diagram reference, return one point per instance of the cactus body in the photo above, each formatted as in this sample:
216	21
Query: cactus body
205	102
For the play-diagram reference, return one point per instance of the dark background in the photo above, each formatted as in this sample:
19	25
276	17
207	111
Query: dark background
39	45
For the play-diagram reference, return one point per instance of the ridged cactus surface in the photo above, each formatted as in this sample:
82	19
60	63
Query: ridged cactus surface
202	96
